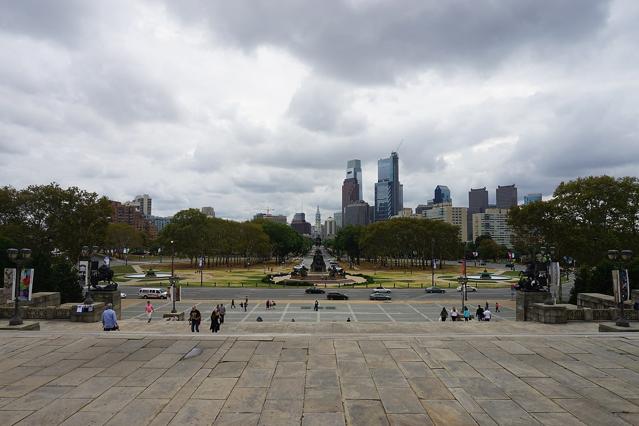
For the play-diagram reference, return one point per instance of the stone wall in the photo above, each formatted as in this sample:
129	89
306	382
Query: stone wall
524	302
95	315
45	313
112	297
599	301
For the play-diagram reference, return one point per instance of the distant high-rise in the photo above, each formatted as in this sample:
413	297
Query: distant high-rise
279	218
350	192
388	190
356	213
318	222
477	203
209	211
300	224
506	196
532	198
354	171
143	202
442	195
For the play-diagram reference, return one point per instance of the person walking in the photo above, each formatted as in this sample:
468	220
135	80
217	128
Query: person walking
454	314
496	306
232	303
194	318
245	303
487	315
215	321
149	311
268	304
480	313
443	314
316	306
222	313
109	319
486	307
466	314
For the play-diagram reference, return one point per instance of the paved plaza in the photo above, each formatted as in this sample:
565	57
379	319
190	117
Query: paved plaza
286	311
320	374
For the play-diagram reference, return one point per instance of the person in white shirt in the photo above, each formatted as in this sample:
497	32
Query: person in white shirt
487	315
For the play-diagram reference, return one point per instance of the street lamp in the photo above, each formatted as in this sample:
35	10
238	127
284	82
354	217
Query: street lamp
172	279
87	254
617	278
19	257
432	263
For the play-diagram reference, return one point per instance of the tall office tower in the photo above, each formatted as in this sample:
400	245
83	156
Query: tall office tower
300	224
209	211
143	202
477	203
506	196
339	220
388	190
350	192
356	213
354	171
532	198
318	222
329	228
442	195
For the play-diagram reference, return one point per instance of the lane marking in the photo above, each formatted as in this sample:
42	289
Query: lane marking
387	314
284	313
249	313
424	315
350	308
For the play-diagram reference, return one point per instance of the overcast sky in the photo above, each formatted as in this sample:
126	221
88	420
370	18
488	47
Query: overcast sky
248	105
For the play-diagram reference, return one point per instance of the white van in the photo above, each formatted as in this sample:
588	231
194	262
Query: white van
152	293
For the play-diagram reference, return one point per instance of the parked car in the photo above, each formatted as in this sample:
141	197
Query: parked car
152	293
469	288
482	263
381	289
510	265
379	296
314	290
122	295
336	296
434	289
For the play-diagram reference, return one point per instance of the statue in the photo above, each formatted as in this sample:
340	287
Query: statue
532	279
103	274
318	264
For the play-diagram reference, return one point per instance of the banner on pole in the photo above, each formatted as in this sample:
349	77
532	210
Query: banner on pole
9	280
624	284
555	277
616	289
25	285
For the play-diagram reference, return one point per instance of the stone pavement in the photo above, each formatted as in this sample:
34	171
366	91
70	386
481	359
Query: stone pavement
314	374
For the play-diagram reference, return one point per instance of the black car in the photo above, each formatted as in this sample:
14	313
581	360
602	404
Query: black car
336	296
314	290
435	290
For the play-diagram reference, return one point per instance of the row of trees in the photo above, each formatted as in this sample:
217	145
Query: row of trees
585	218
399	242
226	242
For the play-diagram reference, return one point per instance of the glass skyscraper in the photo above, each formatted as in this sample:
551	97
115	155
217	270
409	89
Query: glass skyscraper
354	171
388	190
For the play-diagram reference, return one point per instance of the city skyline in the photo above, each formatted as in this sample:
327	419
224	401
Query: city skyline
259	105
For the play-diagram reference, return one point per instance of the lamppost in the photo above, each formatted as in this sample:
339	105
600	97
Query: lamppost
87	253
617	279
432	263
19	257
172	279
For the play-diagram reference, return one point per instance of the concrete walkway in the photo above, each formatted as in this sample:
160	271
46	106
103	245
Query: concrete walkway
320	374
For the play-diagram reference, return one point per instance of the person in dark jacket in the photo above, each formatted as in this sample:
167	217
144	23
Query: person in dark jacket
195	317
480	313
443	314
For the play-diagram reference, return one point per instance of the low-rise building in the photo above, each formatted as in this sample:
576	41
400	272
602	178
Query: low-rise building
447	213
493	222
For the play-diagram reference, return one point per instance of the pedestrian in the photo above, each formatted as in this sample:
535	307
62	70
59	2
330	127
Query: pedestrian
215	321
268	304
245	303
109	320
453	314
272	304
487	315
194	318
480	313
466	314
222	313
496	306
316	306
443	314
149	311
232	303
486	307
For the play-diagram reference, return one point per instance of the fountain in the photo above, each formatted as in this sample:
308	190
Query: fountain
149	274
487	276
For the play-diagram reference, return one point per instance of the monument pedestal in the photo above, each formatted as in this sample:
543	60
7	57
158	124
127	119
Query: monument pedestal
109	296
87	313
525	300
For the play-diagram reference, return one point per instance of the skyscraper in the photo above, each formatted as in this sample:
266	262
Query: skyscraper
388	190
209	211
350	192
300	224
354	171
442	195
143	202
506	196
532	198
477	203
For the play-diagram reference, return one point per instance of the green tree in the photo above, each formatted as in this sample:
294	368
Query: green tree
122	235
489	249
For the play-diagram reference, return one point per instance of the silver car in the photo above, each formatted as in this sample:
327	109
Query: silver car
379	296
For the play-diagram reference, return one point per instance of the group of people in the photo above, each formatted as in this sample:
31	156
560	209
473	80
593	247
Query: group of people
217	318
243	305
270	304
482	314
